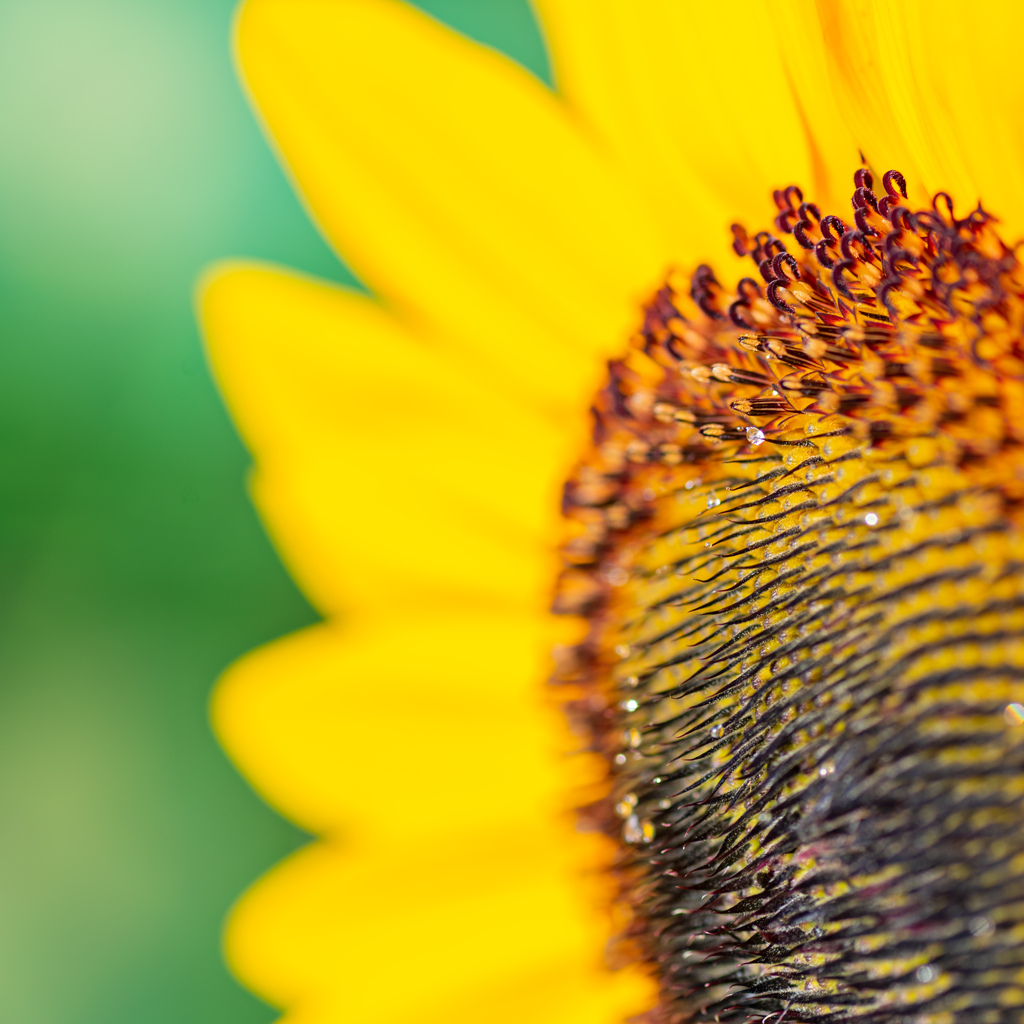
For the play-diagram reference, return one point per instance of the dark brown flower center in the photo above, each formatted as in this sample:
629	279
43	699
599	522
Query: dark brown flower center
797	539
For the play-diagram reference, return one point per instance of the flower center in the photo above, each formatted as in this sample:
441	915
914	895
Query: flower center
797	539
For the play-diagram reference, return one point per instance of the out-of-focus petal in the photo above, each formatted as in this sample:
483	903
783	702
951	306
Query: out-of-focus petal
474	931
420	741
389	475
454	182
426	726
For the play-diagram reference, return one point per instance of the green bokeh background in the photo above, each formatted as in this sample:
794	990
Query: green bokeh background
132	566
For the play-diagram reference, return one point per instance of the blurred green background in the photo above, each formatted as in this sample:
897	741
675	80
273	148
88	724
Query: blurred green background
132	567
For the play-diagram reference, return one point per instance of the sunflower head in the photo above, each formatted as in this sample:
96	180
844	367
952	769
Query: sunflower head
796	537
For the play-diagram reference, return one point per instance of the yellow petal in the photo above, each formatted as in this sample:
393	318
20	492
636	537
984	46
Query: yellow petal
467	932
930	87
693	98
456	185
456	895
388	475
796	32
425	725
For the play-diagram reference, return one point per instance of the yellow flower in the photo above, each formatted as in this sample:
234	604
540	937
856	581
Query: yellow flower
410	448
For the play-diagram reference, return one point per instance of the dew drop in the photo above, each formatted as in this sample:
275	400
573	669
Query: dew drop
631	830
622	650
629	705
716	731
925	974
1014	714
624	808
871	519
980	926
616	576
714	501
755	436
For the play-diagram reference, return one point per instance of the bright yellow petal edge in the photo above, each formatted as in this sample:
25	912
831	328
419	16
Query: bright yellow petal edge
409	733
408	458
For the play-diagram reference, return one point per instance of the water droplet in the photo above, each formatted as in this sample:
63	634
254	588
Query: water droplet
632	738
616	576
811	428
648	494
657	780
755	436
631	831
1014	714
664	805
925	974
632	681
981	926
871	519
647	830
716	731
622	650
620	758
713	500
629	705
826	769
624	808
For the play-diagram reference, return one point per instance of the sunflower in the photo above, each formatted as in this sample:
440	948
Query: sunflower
789	565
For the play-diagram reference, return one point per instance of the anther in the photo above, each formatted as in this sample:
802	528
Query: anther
846	243
807	212
891	177
701	285
740	240
832	223
948	203
821	253
784	259
860	216
900	218
772	294
810	211
734	315
862	178
837	277
864	197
